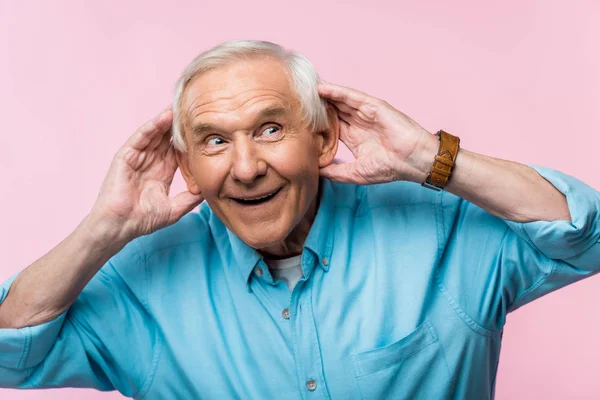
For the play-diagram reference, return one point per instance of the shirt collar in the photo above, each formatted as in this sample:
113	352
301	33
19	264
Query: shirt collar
319	239
320	236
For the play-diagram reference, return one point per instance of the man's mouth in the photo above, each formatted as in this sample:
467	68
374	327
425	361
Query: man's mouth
257	199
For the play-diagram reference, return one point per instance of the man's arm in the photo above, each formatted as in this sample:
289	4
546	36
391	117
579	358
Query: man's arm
506	189
133	201
388	146
48	287
74	303
548	233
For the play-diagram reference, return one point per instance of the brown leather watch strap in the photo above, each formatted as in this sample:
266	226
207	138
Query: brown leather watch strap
444	161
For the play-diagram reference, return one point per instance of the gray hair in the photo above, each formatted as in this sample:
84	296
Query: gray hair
304	79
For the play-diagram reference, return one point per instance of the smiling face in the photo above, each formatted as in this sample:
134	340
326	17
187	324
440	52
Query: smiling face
251	154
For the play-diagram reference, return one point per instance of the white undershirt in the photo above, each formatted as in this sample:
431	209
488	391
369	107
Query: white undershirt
288	270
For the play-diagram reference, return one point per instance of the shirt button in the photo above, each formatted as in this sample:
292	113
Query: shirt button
286	313
258	271
325	261
311	385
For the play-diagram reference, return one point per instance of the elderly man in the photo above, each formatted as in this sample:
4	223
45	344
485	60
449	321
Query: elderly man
298	277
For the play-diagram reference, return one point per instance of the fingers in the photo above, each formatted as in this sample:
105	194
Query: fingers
344	127
342	107
342	94
343	173
170	161
183	203
152	131
164	145
345	117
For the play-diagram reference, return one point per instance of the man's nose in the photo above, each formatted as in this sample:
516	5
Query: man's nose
247	164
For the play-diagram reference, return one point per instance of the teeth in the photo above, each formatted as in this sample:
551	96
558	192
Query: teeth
258	198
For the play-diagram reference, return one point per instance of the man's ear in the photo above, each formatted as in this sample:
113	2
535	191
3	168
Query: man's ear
183	160
329	137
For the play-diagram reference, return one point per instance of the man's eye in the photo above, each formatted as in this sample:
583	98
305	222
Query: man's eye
271	130
215	141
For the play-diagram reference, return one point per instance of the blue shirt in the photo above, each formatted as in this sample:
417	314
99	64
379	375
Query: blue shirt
404	294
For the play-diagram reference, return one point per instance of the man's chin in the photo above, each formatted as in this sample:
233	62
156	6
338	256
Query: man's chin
260	238
262	244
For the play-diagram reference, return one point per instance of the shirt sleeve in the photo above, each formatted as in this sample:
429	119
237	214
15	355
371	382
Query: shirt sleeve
106	340
492	266
572	246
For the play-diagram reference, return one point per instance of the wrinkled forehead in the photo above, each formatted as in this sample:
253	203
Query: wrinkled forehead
238	86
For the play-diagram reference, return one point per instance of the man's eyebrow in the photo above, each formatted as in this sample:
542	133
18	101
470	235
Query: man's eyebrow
267	112
272	111
202	128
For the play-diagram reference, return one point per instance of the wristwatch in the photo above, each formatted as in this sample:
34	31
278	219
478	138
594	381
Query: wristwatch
440	172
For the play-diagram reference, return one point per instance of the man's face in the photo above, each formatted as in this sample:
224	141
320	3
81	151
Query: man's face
250	153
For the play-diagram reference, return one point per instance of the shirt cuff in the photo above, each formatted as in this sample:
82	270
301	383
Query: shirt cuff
562	240
26	347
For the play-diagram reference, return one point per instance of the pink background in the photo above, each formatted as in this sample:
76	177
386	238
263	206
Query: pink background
515	79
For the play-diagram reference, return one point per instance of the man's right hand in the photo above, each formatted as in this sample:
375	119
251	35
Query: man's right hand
133	201
134	198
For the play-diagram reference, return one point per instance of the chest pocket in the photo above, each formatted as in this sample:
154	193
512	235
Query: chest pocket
414	367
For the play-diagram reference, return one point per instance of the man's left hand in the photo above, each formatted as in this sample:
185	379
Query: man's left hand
387	145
